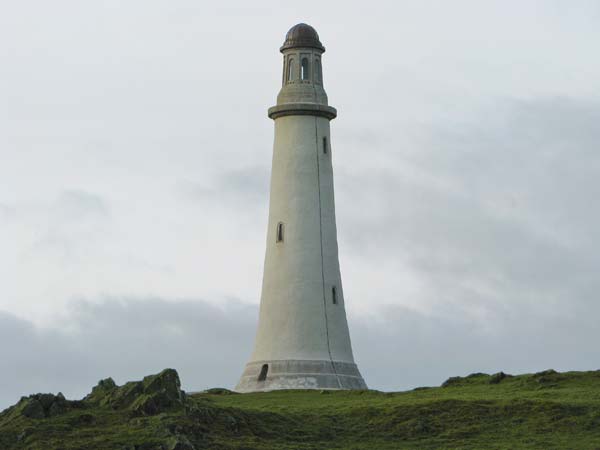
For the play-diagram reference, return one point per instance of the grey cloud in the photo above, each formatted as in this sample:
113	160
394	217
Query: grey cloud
512	221
250	181
246	186
78	205
73	224
125	339
408	349
5	211
209	345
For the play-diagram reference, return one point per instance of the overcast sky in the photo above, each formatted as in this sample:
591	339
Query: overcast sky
135	155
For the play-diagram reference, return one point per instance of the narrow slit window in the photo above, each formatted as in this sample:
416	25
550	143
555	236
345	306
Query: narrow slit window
290	74
318	70
304	69
279	237
333	295
262	376
325	145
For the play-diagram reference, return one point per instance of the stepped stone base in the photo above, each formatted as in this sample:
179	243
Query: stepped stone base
300	374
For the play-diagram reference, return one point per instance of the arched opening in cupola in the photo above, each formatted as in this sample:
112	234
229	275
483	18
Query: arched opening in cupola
290	74
304	69
318	78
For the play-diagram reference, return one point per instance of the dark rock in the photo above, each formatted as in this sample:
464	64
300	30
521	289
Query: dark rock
161	392
102	392
166	383
39	406
146	406
219	391
46	400
452	381
153	395
125	395
477	374
33	409
57	408
105	385
498	377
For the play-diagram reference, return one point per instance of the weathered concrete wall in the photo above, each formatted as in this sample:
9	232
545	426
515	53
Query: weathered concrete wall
298	319
302	336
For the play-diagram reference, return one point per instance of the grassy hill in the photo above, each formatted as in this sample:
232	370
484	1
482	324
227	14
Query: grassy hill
547	410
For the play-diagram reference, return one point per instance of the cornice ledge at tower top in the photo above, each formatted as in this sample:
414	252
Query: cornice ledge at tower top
302	109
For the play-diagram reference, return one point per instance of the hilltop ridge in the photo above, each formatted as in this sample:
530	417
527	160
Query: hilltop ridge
545	410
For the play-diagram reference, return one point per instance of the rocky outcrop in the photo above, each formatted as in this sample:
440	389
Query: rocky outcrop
41	406
153	395
498	377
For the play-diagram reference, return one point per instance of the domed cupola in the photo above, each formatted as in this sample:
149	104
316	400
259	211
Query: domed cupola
302	35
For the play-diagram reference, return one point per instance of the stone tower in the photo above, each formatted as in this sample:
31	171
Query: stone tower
302	340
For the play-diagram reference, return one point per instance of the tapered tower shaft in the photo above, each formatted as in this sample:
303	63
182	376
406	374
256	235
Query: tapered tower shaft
302	339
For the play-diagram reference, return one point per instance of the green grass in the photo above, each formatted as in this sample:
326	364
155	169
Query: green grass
536	411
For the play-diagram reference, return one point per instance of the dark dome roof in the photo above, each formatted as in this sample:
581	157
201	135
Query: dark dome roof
302	35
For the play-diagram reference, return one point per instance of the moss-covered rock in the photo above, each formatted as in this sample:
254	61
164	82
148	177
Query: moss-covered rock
33	409
40	406
101	391
498	377
167	383
153	395
452	381
219	391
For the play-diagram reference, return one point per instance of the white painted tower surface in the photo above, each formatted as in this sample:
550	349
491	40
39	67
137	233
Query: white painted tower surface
302	340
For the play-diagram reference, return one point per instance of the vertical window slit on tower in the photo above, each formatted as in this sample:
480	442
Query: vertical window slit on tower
290	76
325	145
334	295
284	70
263	372
279	232
317	70
304	69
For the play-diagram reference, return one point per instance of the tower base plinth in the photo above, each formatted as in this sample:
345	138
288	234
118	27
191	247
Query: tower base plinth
260	376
